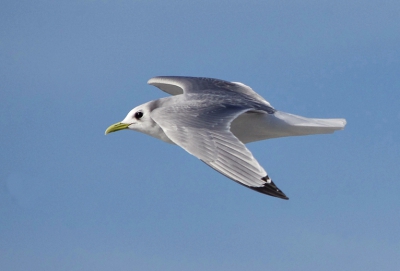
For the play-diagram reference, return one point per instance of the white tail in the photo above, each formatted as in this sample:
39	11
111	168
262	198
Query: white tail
306	126
250	127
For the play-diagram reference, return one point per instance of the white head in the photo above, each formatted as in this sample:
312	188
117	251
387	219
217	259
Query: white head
139	119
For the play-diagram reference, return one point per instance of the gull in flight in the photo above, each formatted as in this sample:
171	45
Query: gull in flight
213	119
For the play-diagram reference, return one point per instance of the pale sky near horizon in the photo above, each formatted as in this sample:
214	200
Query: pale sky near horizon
74	199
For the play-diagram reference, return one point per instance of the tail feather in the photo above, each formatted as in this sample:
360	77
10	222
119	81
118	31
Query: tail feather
250	127
298	125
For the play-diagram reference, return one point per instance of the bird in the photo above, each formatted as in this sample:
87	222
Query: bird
213	119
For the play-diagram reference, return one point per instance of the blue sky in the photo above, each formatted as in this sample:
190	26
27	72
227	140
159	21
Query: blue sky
74	199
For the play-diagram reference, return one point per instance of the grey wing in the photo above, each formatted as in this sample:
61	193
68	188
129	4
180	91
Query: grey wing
205	134
176	85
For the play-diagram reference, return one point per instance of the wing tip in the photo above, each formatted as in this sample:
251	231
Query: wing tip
270	189
167	84
153	80
160	79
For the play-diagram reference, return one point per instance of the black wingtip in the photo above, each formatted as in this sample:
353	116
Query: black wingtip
269	188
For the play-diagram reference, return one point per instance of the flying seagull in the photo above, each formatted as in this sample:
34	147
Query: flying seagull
212	119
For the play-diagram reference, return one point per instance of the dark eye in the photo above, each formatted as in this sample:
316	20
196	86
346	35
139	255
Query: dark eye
138	114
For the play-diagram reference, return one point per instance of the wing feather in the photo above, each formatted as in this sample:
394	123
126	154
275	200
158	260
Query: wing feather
176	85
216	146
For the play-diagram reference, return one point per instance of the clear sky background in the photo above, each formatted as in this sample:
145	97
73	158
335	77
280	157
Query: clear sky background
74	199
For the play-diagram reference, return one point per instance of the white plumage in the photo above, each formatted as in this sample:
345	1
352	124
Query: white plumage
212	119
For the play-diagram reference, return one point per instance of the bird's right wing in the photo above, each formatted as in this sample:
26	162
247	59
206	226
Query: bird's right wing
176	85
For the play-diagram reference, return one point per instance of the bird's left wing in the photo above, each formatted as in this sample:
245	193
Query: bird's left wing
205	133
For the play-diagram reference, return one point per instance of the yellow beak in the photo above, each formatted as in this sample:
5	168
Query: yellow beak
116	127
